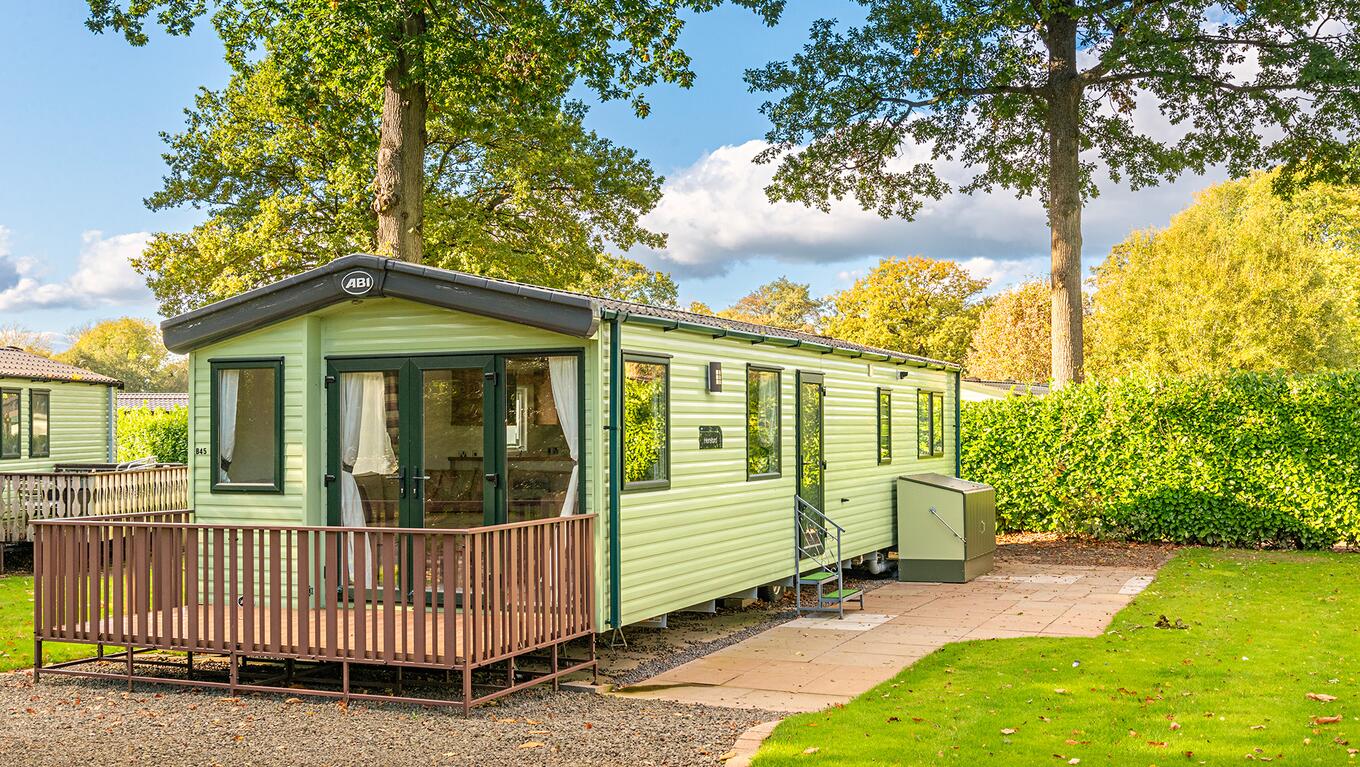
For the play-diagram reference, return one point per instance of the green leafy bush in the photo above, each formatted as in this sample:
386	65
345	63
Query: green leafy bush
162	433
1241	460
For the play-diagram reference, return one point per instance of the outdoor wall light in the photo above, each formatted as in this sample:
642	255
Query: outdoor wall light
902	374
715	377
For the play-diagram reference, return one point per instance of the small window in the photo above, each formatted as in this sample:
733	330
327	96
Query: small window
646	422
885	426
247	425
763	443
929	424
39	436
9	423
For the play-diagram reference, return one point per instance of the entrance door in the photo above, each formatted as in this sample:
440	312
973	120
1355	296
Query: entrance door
454	441
811	455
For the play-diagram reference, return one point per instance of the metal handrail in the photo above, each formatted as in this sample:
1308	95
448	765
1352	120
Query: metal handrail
800	508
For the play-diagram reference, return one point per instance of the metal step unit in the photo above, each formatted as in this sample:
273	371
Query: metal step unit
818	539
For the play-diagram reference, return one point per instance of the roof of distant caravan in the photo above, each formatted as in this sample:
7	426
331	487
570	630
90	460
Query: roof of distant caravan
17	363
359	276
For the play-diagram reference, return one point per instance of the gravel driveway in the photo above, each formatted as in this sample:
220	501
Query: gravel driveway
67	721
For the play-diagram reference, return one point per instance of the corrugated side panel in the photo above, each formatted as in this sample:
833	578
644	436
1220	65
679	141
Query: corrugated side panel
713	532
79	424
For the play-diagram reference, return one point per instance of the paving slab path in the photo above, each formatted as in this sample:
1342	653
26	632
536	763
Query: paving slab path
814	662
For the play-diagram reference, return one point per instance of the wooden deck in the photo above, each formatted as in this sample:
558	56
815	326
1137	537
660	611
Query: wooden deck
457	600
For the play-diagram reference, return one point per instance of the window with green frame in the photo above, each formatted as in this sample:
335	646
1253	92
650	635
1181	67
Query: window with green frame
885	425
39	423
646	422
929	424
9	423
247	425
763	439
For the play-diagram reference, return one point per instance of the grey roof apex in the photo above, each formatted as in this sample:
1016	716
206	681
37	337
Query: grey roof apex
562	311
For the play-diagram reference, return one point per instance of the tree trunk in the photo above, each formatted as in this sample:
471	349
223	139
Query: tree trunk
399	187
1064	199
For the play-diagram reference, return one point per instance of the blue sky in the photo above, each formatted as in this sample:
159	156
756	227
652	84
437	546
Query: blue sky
83	113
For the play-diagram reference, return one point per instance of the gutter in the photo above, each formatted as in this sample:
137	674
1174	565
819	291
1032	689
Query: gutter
761	338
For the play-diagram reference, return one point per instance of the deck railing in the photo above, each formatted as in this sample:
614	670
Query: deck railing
426	598
25	497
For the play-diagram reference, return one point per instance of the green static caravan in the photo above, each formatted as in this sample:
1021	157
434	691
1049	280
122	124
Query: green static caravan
53	413
371	392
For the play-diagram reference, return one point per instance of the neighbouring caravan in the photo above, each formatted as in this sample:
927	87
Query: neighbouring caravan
53	413
375	393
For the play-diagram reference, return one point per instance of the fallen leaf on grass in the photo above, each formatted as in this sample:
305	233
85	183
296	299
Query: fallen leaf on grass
1175	725
1320	697
1008	731
811	750
1326	719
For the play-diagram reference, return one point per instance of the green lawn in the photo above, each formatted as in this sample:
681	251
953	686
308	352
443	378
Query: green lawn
16	627
1264	631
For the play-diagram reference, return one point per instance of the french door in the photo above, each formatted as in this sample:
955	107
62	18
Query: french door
453	441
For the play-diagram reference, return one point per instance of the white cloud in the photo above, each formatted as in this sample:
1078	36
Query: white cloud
103	276
717	216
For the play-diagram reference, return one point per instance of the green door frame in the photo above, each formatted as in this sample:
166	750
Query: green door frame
411	425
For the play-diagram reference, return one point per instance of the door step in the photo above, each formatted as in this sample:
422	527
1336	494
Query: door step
812	579
844	595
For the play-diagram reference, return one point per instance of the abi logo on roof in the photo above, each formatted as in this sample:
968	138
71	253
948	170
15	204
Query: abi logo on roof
357	283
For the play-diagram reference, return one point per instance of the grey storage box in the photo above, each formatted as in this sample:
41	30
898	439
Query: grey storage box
946	528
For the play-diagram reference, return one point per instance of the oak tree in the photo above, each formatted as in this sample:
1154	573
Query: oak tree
1039	97
428	124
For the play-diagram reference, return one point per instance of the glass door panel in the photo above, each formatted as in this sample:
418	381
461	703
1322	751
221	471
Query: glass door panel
542	436
453	492
370	476
811	456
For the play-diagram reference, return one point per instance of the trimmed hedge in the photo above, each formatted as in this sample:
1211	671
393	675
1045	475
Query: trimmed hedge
1240	460
162	433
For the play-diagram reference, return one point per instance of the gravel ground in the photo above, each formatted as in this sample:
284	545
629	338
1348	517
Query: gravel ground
65	721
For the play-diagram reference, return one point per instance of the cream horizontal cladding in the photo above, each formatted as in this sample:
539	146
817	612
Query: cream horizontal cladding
713	532
78	423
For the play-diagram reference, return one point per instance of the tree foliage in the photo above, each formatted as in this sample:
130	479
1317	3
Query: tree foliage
1241	280
915	305
780	303
1040	98
628	280
1245	459
289	158
130	350
1013	338
24	339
